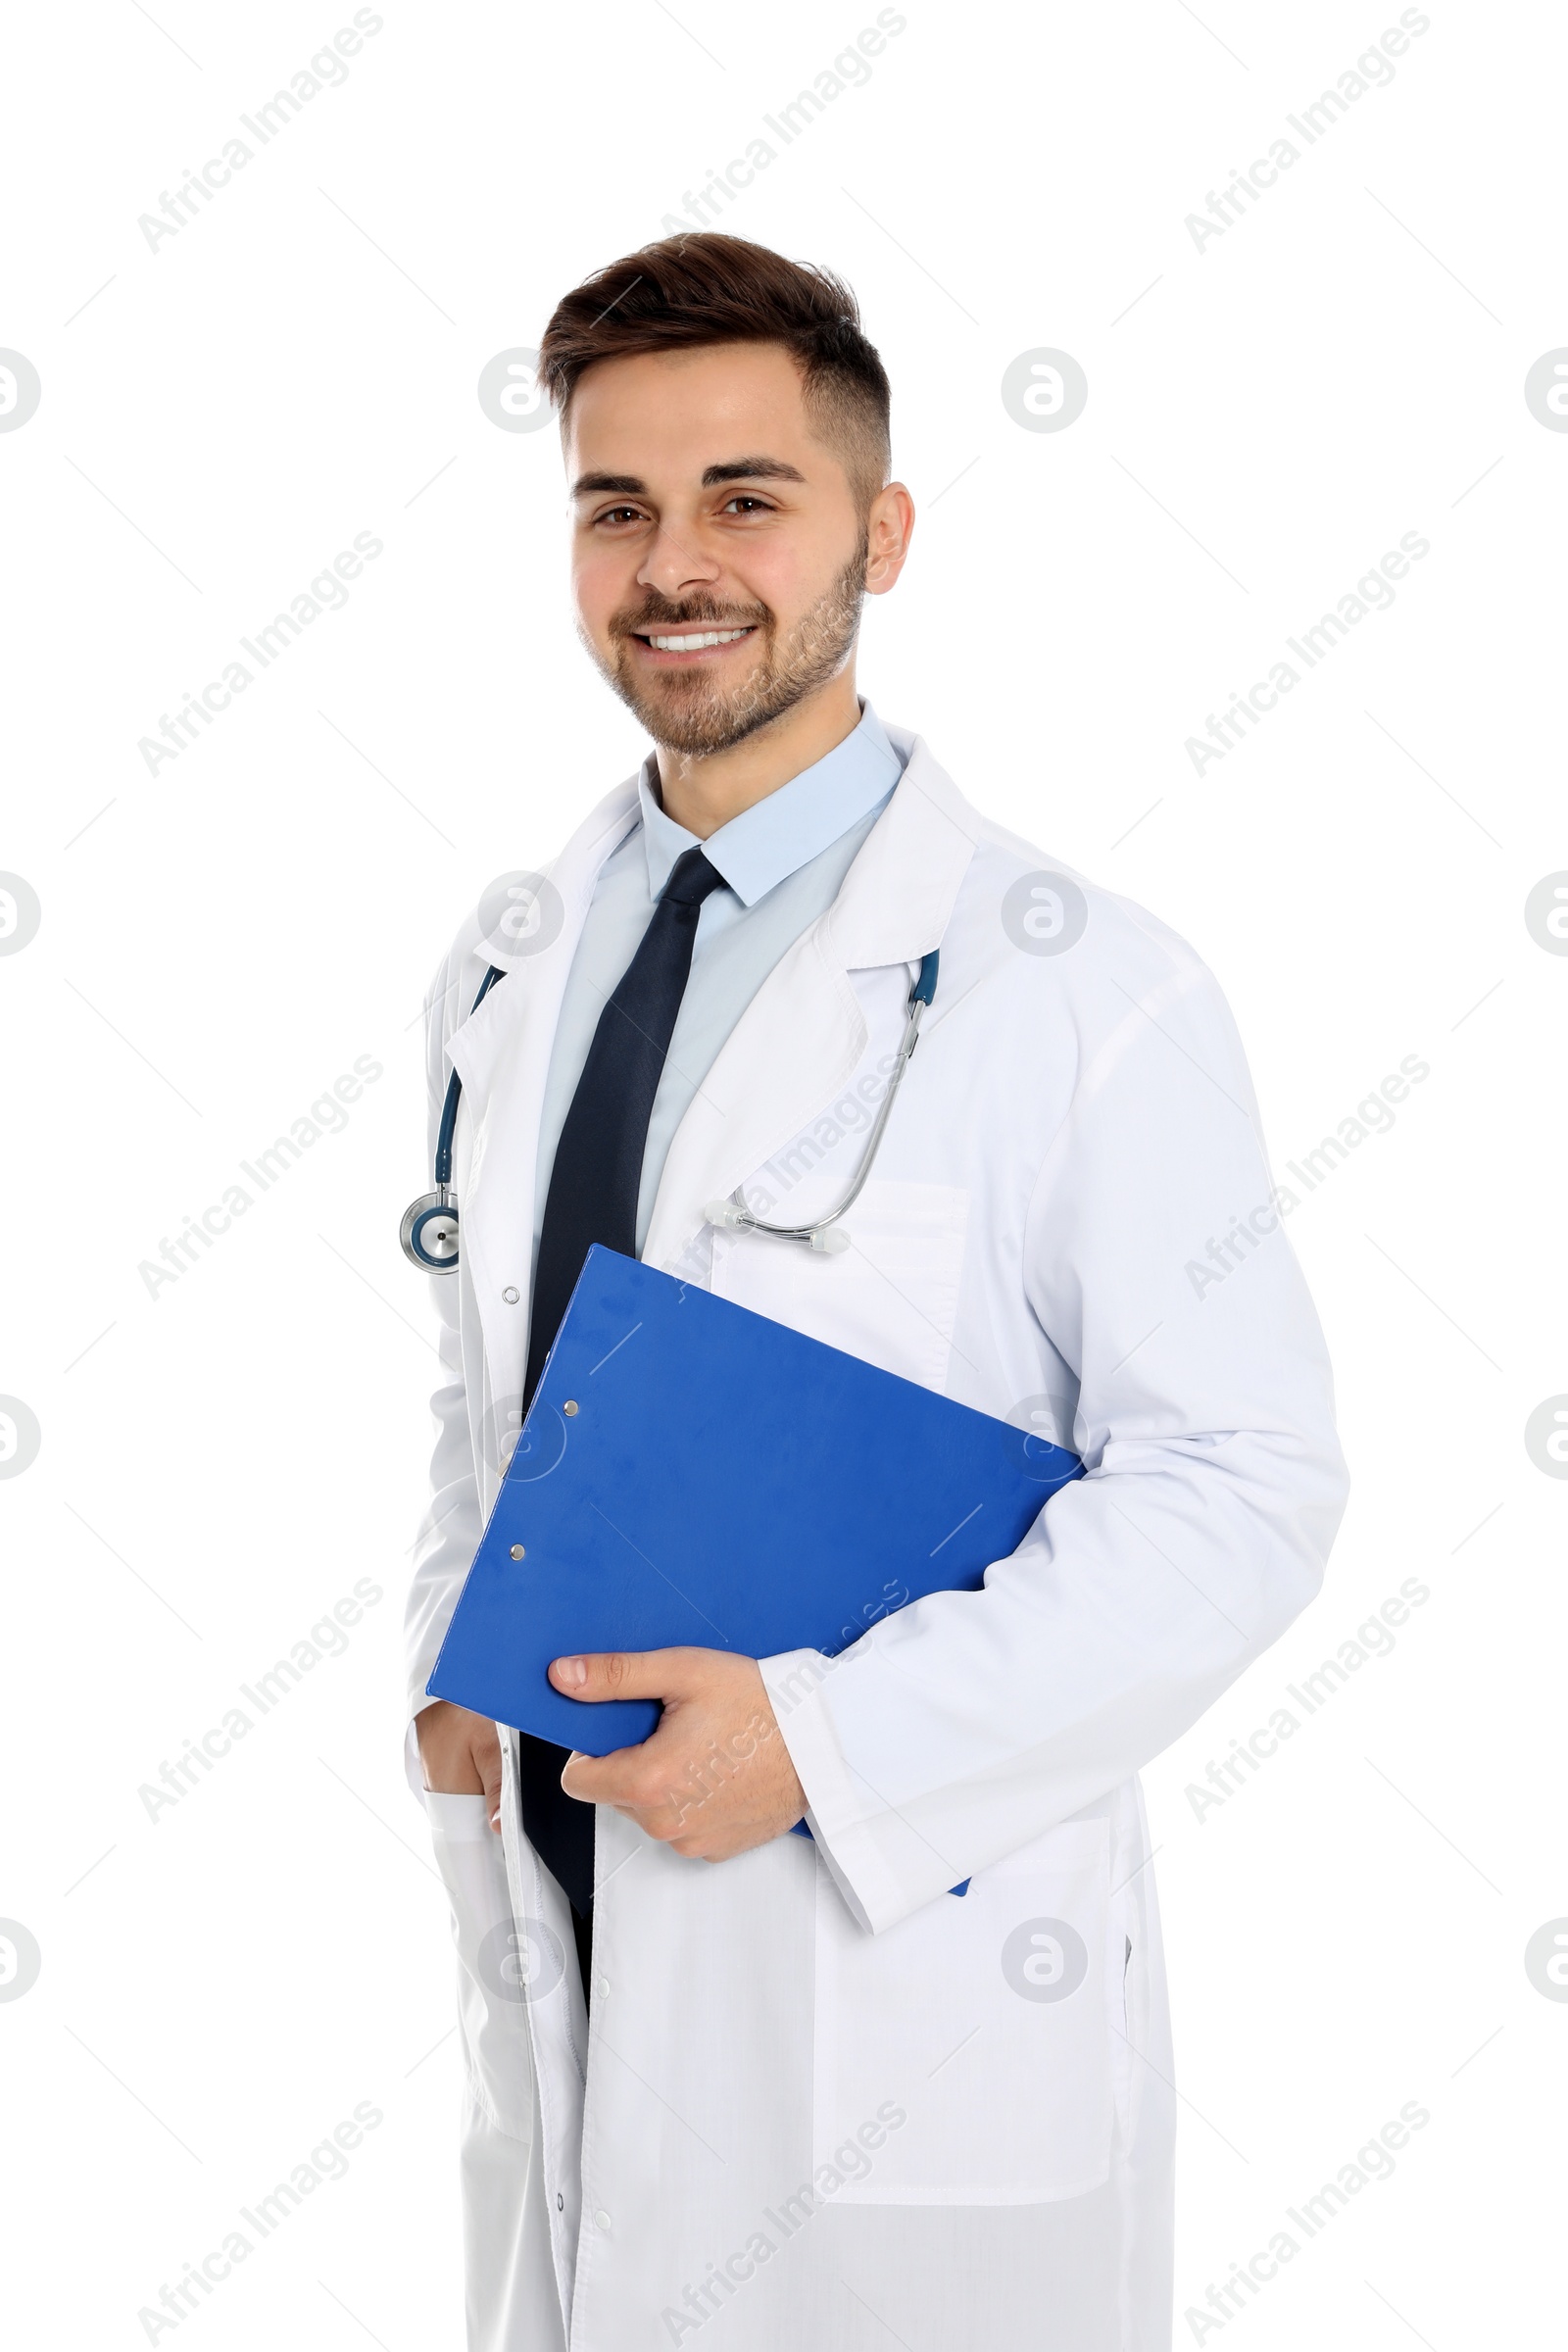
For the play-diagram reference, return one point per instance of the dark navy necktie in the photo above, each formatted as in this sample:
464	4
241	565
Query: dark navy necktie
593	1186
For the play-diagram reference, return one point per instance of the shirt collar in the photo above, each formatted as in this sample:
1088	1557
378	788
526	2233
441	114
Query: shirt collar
785	830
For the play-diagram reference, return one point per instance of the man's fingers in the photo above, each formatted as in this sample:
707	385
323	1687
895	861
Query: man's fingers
625	1674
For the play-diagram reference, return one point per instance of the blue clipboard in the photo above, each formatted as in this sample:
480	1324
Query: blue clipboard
690	1472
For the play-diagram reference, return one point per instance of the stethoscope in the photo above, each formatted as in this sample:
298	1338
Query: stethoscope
429	1229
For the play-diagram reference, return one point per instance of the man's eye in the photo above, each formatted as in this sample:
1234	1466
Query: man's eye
743	500
621	515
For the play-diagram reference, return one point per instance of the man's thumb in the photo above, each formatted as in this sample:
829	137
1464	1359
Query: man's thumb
620	1674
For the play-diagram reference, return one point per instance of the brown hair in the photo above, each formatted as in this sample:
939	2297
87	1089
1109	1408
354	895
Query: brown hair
708	288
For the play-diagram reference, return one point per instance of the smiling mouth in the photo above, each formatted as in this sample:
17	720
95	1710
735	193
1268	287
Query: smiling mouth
691	641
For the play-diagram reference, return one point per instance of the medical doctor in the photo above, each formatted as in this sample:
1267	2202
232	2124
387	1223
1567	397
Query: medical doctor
726	2085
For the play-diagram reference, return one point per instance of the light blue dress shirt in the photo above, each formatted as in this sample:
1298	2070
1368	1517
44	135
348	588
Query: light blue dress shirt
783	861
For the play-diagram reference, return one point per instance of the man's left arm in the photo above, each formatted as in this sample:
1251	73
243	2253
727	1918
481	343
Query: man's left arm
966	1725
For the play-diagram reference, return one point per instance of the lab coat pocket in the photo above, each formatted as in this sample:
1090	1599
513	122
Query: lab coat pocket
890	1298
963	2057
501	1961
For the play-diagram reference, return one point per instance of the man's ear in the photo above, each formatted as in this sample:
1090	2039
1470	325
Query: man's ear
889	528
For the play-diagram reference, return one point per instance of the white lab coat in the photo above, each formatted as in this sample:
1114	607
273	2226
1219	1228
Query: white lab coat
822	2100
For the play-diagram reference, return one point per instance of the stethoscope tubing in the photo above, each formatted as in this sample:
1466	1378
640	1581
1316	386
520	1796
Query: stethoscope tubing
734	1214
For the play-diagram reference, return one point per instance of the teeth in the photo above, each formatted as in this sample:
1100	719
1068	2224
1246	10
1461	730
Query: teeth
694	645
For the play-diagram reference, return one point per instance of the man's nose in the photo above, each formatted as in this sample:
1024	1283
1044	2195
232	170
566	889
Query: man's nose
677	563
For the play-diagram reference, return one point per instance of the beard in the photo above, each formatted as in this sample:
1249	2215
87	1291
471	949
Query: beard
686	711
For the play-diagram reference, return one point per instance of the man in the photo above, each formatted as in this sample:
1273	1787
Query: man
724	2082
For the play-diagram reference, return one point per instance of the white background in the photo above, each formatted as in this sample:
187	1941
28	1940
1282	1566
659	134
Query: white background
221	1461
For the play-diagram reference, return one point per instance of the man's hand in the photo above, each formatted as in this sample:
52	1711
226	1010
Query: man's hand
715	1778
460	1755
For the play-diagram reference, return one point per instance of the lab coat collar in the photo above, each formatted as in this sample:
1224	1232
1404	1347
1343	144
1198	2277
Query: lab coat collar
898	894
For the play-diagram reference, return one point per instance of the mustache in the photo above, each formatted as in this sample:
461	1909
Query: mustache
660	612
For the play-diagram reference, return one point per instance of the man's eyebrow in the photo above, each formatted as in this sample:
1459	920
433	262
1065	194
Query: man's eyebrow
752	469
594	485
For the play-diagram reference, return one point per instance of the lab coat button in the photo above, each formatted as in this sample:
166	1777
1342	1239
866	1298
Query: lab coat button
510	1294
602	1986
602	2218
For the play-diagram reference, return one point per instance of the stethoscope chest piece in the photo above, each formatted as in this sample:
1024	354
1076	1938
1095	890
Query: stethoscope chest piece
429	1227
429	1232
